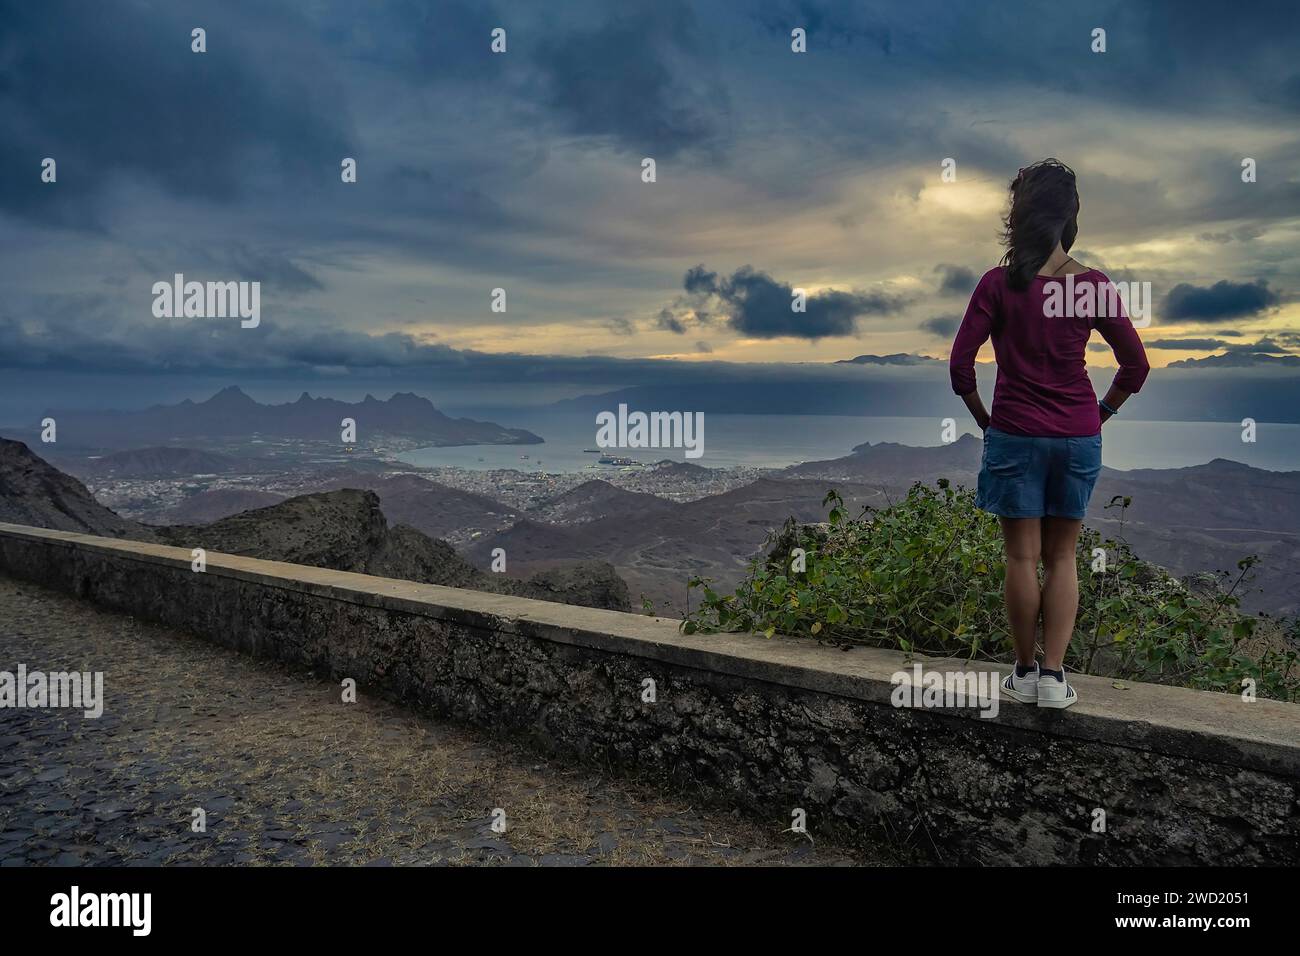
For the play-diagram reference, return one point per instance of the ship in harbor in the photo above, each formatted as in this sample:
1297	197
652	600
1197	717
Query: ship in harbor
615	460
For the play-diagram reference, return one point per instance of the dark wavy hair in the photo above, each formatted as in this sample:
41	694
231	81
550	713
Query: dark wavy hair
1044	211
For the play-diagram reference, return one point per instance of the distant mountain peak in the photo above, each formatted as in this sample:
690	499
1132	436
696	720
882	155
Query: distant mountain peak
230	394
895	358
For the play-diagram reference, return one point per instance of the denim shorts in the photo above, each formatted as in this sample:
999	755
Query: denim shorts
1026	477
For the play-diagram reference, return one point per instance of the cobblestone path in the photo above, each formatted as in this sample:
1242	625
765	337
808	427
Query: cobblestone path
289	774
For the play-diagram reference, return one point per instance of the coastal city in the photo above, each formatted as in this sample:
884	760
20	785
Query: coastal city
285	473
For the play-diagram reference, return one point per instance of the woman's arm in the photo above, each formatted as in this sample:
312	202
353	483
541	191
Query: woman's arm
976	406
976	326
1114	399
1124	341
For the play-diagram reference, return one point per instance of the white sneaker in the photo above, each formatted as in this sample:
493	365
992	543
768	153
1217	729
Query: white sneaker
1022	689
1055	693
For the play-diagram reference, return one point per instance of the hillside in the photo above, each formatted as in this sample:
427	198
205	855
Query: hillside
214	504
888	463
435	509
157	462
596	499
656	546
1187	520
33	492
345	530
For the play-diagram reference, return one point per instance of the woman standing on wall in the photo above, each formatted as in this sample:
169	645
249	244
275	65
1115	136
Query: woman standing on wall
1042	442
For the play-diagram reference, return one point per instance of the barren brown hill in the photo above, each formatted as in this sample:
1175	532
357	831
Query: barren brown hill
596	499
435	509
655	552
215	504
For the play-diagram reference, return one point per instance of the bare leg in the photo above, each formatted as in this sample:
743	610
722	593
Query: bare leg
1060	587
1022	544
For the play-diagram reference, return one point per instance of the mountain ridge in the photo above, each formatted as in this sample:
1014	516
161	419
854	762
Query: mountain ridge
232	414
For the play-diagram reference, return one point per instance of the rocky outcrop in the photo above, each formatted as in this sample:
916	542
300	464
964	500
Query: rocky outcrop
587	583
33	492
346	530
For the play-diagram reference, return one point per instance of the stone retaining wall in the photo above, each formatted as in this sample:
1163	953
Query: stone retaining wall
771	726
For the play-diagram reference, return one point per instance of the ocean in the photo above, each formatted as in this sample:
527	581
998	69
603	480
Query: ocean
776	441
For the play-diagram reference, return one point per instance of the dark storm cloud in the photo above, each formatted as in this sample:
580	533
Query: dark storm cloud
757	305
1179	344
113	91
1221	302
700	280
422	41
274	269
216	347
670	323
838	23
1165	60
942	326
1240	234
249	135
196	344
1263	345
955	280
208	347
642	79
157	145
1158	53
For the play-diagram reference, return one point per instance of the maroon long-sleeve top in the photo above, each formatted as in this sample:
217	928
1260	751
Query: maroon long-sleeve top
1042	385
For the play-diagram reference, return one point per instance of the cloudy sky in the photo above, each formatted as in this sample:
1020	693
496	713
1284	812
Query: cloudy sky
523	170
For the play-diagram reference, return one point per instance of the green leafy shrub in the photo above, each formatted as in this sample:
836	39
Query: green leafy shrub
925	575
